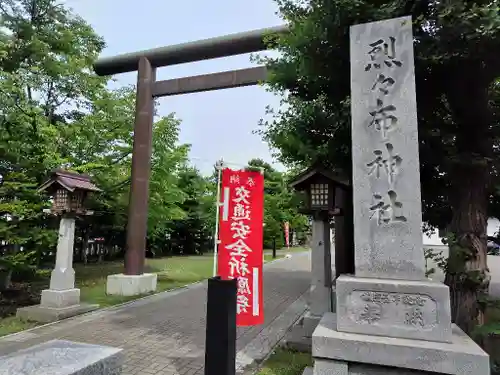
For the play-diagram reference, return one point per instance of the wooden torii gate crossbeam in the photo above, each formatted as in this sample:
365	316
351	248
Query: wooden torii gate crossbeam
146	62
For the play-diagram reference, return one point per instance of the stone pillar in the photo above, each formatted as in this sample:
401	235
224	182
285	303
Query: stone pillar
63	274
321	293
390	319
62	299
320	297
322	274
62	291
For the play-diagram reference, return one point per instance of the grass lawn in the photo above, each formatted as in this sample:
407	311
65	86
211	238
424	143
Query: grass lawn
491	342
285	362
11	325
172	273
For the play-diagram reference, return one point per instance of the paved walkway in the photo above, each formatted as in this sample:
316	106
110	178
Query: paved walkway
165	333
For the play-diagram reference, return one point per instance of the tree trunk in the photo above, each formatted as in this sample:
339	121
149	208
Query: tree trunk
85	248
467	274
100	252
5	279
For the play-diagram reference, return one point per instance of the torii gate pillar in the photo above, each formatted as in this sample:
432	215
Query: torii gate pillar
134	281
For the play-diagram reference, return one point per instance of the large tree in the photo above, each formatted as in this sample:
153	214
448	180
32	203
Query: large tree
456	70
45	55
193	233
56	113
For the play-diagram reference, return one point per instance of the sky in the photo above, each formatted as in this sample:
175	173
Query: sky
217	124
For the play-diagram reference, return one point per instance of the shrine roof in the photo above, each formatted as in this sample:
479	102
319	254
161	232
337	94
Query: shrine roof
70	181
310	172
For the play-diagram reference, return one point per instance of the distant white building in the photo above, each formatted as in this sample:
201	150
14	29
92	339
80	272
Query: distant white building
435	240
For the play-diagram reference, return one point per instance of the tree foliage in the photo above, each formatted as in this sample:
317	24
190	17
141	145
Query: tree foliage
457	95
45	81
56	113
280	205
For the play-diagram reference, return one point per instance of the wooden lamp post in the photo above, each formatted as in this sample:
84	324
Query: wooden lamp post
69	191
325	193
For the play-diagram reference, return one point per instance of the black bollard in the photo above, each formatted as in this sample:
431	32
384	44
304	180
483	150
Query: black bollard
274	247
220	340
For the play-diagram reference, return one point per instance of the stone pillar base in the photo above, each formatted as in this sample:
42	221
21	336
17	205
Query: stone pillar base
55	305
131	285
43	314
344	353
60	298
418	310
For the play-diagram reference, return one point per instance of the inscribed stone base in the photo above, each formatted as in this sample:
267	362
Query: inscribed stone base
63	358
461	356
42	314
131	285
60	298
394	308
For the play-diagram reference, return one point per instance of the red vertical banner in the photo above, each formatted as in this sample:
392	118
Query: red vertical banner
241	234
286	226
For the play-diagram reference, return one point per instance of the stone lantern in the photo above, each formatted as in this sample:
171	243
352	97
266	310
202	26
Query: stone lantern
325	195
62	300
69	191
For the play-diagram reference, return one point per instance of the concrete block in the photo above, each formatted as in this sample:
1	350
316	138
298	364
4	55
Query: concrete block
462	356
394	308
60	298
59	357
43	314
131	285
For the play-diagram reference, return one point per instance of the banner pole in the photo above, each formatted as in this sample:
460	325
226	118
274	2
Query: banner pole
219	166
262	170
288	237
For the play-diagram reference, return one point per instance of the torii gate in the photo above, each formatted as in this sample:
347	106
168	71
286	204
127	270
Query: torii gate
145	63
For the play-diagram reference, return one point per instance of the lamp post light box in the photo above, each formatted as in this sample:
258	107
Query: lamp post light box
69	191
322	190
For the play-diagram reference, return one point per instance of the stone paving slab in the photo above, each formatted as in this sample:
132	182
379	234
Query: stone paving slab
165	333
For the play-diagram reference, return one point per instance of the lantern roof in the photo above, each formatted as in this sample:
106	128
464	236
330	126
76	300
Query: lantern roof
302	180
70	181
